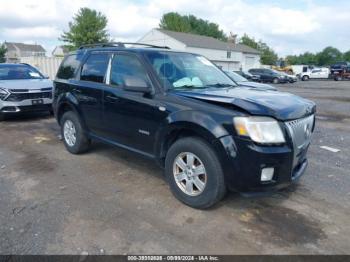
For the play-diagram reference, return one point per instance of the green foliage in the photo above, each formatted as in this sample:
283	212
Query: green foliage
346	56
268	55
191	24
3	51
329	56
88	27
326	57
303	59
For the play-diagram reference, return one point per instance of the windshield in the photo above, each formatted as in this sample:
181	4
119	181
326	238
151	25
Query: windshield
236	77
184	70
14	72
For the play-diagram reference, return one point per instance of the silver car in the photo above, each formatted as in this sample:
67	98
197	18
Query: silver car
23	89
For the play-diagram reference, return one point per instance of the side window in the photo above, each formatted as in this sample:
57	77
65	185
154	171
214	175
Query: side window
95	68
126	66
68	67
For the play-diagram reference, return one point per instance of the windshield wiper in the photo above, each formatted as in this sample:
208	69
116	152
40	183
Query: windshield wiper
221	85
188	86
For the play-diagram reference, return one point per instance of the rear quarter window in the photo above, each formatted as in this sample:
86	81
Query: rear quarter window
68	67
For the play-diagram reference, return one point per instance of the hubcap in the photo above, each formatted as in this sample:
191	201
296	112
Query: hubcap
189	173
69	133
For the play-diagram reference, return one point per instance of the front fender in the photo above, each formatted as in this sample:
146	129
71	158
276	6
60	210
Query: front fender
197	122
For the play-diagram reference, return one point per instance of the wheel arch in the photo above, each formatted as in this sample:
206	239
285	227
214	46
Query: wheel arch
68	103
208	130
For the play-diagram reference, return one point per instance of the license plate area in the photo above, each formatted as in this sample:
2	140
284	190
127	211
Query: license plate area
37	102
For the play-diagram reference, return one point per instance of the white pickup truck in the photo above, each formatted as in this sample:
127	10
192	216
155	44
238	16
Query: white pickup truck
321	72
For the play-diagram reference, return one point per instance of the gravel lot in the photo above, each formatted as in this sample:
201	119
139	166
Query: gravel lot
110	201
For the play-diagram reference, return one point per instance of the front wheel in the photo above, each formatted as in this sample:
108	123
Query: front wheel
73	135
275	80
194	173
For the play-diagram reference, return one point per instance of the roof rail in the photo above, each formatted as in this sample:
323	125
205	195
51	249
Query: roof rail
120	44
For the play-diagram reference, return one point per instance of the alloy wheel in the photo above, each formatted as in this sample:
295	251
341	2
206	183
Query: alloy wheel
69	133
189	173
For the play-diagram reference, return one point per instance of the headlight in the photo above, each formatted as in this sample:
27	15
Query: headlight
3	93
263	130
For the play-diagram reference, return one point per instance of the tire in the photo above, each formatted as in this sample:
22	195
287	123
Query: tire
338	78
72	125
305	78
214	187
275	80
2	117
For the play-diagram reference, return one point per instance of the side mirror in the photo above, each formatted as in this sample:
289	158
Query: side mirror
136	84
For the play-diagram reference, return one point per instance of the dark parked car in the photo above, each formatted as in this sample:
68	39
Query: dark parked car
339	67
241	81
182	111
269	75
248	76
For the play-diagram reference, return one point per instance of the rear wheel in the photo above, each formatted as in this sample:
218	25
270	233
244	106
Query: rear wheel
2	117
73	135
305	78
194	173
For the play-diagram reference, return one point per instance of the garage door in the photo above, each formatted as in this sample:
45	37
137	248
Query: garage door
249	62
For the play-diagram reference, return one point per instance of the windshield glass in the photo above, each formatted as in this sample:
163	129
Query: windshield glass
184	70
236	77
14	72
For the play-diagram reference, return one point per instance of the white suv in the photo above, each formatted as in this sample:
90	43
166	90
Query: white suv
23	88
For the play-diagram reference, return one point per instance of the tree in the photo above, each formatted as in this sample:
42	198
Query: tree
268	55
303	59
249	41
346	56
329	56
3	51
88	27
174	22
191	24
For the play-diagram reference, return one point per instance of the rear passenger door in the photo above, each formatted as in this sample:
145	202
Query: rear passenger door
88	89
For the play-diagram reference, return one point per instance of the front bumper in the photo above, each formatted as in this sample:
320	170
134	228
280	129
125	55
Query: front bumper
7	107
243	162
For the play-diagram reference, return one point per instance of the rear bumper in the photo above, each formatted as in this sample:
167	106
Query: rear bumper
7	107
243	163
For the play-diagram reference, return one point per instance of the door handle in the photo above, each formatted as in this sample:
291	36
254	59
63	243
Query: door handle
112	98
76	90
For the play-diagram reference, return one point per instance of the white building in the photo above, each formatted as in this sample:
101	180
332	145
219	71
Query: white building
60	51
227	55
16	51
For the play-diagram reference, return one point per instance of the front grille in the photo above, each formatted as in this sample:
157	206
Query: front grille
17	97
300	131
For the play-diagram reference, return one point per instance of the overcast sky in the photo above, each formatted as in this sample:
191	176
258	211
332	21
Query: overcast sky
290	27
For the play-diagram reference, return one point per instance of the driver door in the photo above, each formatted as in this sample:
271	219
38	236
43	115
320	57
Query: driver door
131	118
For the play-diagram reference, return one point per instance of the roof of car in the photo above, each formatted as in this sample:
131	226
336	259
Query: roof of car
12	64
129	49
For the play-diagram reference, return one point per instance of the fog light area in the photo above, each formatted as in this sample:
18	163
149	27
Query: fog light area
267	174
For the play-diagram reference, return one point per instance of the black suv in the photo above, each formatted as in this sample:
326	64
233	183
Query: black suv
269	75
182	111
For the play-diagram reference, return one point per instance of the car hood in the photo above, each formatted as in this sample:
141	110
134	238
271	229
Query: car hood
26	84
280	105
257	85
